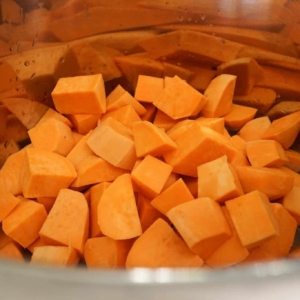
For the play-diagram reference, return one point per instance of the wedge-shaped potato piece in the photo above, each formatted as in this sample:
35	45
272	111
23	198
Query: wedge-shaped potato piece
151	250
274	183
253	218
45	173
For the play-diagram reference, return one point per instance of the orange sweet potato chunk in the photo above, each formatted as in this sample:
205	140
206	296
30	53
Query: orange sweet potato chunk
148	88
257	255
146	179
293	160
198	145
113	142
70	207
266	153
280	246
150	140
61	141
104	252
12	251
24	222
219	94
273	182
163	121
218	180
59	256
84	123
45	173
37	243
7	203
290	202
117	211
80	95
253	218
193	220
180	100
174	195
151	250
231	252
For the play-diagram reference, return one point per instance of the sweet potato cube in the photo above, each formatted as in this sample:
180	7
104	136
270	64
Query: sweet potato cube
198	145
280	245
284	130
253	218
104	252
193	220
24	222
96	195
37	243
273	182
150	140
163	121
145	176
55	256
80	95
257	255
84	123
231	252
7	203
117	211
113	142
217	124
219	94
148	88
176	194
52	114
93	170
266	153
218	180
70	207
119	98
151	250
61	140
290	202
45	173
255	129
12	251
239	143
239	116
179	100
126	115
247	71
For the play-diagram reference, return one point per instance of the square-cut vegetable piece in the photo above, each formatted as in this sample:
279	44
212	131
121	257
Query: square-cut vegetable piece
55	256
218	180
117	211
94	169
219	94
151	140
120	97
150	176
113	142
126	115
284	130
80	95
163	121
52	114
291	203
24	222
84	123
231	252
160	246
180	100
7	203
280	246
255	129
248	73
239	116
148	88
273	182
104	252
198	145
202	225
69	208
12	251
45	173
217	124
37	243
239	143
96	195
53	136
266	153
253	218
176	194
